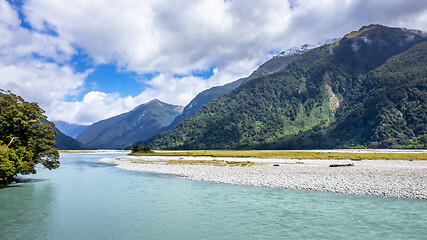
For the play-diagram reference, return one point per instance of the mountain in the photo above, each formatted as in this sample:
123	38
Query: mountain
64	142
273	65
366	90
139	124
72	130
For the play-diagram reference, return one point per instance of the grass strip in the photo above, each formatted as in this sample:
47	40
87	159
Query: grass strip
291	155
212	162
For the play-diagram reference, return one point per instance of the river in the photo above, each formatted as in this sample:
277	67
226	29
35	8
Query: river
87	199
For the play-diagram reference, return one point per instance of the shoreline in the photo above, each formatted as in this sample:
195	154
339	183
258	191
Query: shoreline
385	178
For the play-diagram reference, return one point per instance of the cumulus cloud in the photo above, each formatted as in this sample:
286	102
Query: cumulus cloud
172	39
39	81
94	107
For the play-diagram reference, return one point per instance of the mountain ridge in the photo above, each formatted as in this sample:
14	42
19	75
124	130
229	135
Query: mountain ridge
274	64
70	129
297	100
65	142
138	124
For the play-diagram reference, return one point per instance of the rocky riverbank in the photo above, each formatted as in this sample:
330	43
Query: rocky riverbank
387	178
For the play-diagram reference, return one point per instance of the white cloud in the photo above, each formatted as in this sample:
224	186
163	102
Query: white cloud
39	81
94	107
164	36
170	38
33	64
17	42
8	15
97	105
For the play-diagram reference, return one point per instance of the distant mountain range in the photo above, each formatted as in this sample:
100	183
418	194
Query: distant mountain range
72	130
139	124
64	142
366	90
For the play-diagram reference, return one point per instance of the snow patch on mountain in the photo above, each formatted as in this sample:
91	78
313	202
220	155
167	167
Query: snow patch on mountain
304	48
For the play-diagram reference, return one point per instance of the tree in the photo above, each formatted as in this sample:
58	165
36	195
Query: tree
146	149
25	139
136	148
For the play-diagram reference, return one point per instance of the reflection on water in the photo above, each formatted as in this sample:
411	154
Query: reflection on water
87	199
86	164
26	180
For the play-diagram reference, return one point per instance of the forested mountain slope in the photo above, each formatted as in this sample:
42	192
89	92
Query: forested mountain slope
366	90
64	142
275	64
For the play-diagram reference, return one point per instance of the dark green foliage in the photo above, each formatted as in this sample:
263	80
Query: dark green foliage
381	100
392	111
146	149
137	148
25	139
125	129
14	161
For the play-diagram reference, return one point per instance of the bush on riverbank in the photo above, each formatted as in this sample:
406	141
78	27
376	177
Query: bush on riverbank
137	148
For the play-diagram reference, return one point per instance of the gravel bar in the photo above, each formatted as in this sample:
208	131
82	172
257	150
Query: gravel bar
386	178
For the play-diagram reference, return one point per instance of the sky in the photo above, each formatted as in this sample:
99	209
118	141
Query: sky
84	61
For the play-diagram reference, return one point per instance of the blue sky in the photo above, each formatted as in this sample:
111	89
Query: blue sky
107	78
84	61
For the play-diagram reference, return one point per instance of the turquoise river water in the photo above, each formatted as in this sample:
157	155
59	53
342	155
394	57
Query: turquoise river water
87	199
